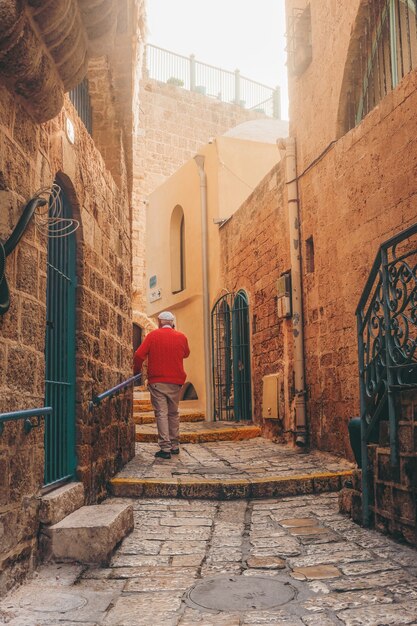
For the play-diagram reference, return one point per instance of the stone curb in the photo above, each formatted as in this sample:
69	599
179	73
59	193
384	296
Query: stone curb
143	418
206	436
240	489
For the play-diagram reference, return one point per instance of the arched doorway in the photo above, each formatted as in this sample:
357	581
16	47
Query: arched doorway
60	459
231	358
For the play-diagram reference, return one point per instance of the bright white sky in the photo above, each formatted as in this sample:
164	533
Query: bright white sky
231	34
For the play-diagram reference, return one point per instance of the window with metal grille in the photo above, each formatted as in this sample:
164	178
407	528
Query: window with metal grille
80	98
299	48
385	52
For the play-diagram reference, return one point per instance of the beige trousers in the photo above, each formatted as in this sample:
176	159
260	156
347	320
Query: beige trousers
165	398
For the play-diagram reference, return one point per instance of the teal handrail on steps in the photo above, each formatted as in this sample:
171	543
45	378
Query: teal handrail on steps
26	415
114	391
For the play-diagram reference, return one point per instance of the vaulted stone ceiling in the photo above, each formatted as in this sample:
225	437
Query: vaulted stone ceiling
45	46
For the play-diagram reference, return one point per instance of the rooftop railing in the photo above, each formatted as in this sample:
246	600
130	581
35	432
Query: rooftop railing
213	82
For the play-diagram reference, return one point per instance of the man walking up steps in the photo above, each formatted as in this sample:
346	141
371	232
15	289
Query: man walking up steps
165	349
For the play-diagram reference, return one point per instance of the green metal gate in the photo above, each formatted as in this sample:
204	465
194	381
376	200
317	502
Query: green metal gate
231	358
60	460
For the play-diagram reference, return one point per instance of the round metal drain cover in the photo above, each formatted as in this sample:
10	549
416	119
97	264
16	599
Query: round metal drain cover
53	602
239	593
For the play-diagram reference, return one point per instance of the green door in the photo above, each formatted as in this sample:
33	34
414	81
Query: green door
60	460
231	358
241	357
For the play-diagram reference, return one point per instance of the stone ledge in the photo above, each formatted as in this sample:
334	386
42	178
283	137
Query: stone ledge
90	534
240	433
61	502
149	418
215	489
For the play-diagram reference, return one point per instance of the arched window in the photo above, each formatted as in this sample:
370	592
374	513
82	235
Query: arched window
177	245
383	50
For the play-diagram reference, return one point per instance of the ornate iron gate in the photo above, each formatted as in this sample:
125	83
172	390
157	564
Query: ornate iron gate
60	460
231	358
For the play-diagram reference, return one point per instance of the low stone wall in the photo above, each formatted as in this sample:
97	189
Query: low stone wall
393	490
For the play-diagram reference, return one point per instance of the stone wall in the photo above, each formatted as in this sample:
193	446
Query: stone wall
31	156
392	490
173	124
355	192
255	252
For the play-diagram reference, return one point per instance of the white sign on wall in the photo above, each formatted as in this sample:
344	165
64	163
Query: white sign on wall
155	295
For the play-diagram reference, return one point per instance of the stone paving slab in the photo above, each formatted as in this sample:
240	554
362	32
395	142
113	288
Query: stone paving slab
347	575
223	470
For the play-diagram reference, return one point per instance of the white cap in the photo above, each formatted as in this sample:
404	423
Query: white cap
166	316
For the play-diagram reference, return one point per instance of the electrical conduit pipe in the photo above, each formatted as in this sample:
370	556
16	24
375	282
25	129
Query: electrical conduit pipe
289	146
208	376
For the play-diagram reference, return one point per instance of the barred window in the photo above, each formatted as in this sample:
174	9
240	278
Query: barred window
385	52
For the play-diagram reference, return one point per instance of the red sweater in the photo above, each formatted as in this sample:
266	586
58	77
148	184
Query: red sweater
165	348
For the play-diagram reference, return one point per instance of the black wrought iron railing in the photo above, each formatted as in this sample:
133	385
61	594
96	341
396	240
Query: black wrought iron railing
387	343
114	391
26	415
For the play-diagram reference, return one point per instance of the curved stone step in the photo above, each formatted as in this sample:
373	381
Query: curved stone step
228	489
149	417
202	432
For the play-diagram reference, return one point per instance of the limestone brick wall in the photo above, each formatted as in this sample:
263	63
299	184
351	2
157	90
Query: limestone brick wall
255	252
358	195
315	94
173	124
31	156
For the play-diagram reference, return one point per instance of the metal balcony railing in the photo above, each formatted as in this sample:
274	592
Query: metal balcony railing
211	81
387	342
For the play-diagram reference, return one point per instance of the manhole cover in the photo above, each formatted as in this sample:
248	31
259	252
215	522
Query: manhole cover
50	602
239	593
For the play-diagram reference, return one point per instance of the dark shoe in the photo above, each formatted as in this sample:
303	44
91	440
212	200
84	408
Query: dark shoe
162	454
175	451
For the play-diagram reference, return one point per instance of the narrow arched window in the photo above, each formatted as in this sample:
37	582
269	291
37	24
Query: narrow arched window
177	245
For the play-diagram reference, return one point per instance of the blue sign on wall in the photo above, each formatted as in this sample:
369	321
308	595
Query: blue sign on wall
152	281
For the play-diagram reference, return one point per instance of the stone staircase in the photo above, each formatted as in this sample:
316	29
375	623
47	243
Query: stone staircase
71	531
194	428
221	461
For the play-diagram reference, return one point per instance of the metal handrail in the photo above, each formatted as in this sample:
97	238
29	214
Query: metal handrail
25	414
114	391
387	343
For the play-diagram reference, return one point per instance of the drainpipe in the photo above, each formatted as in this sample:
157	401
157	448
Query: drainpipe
297	295
199	159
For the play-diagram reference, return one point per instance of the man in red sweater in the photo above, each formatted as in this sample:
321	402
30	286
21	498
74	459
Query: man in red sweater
165	349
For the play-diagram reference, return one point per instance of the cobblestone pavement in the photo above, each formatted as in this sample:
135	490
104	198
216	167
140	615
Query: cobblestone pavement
335	571
256	458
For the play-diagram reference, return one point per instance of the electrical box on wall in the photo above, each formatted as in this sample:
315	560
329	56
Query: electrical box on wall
284	296
272	400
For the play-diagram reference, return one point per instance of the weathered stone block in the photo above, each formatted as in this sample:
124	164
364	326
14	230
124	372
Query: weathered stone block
90	534
61	502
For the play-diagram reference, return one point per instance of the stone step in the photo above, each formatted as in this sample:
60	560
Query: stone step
90	534
228	489
142	405
59	503
148	417
203	432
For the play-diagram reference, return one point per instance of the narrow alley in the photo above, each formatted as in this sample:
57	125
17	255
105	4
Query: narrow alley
292	561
